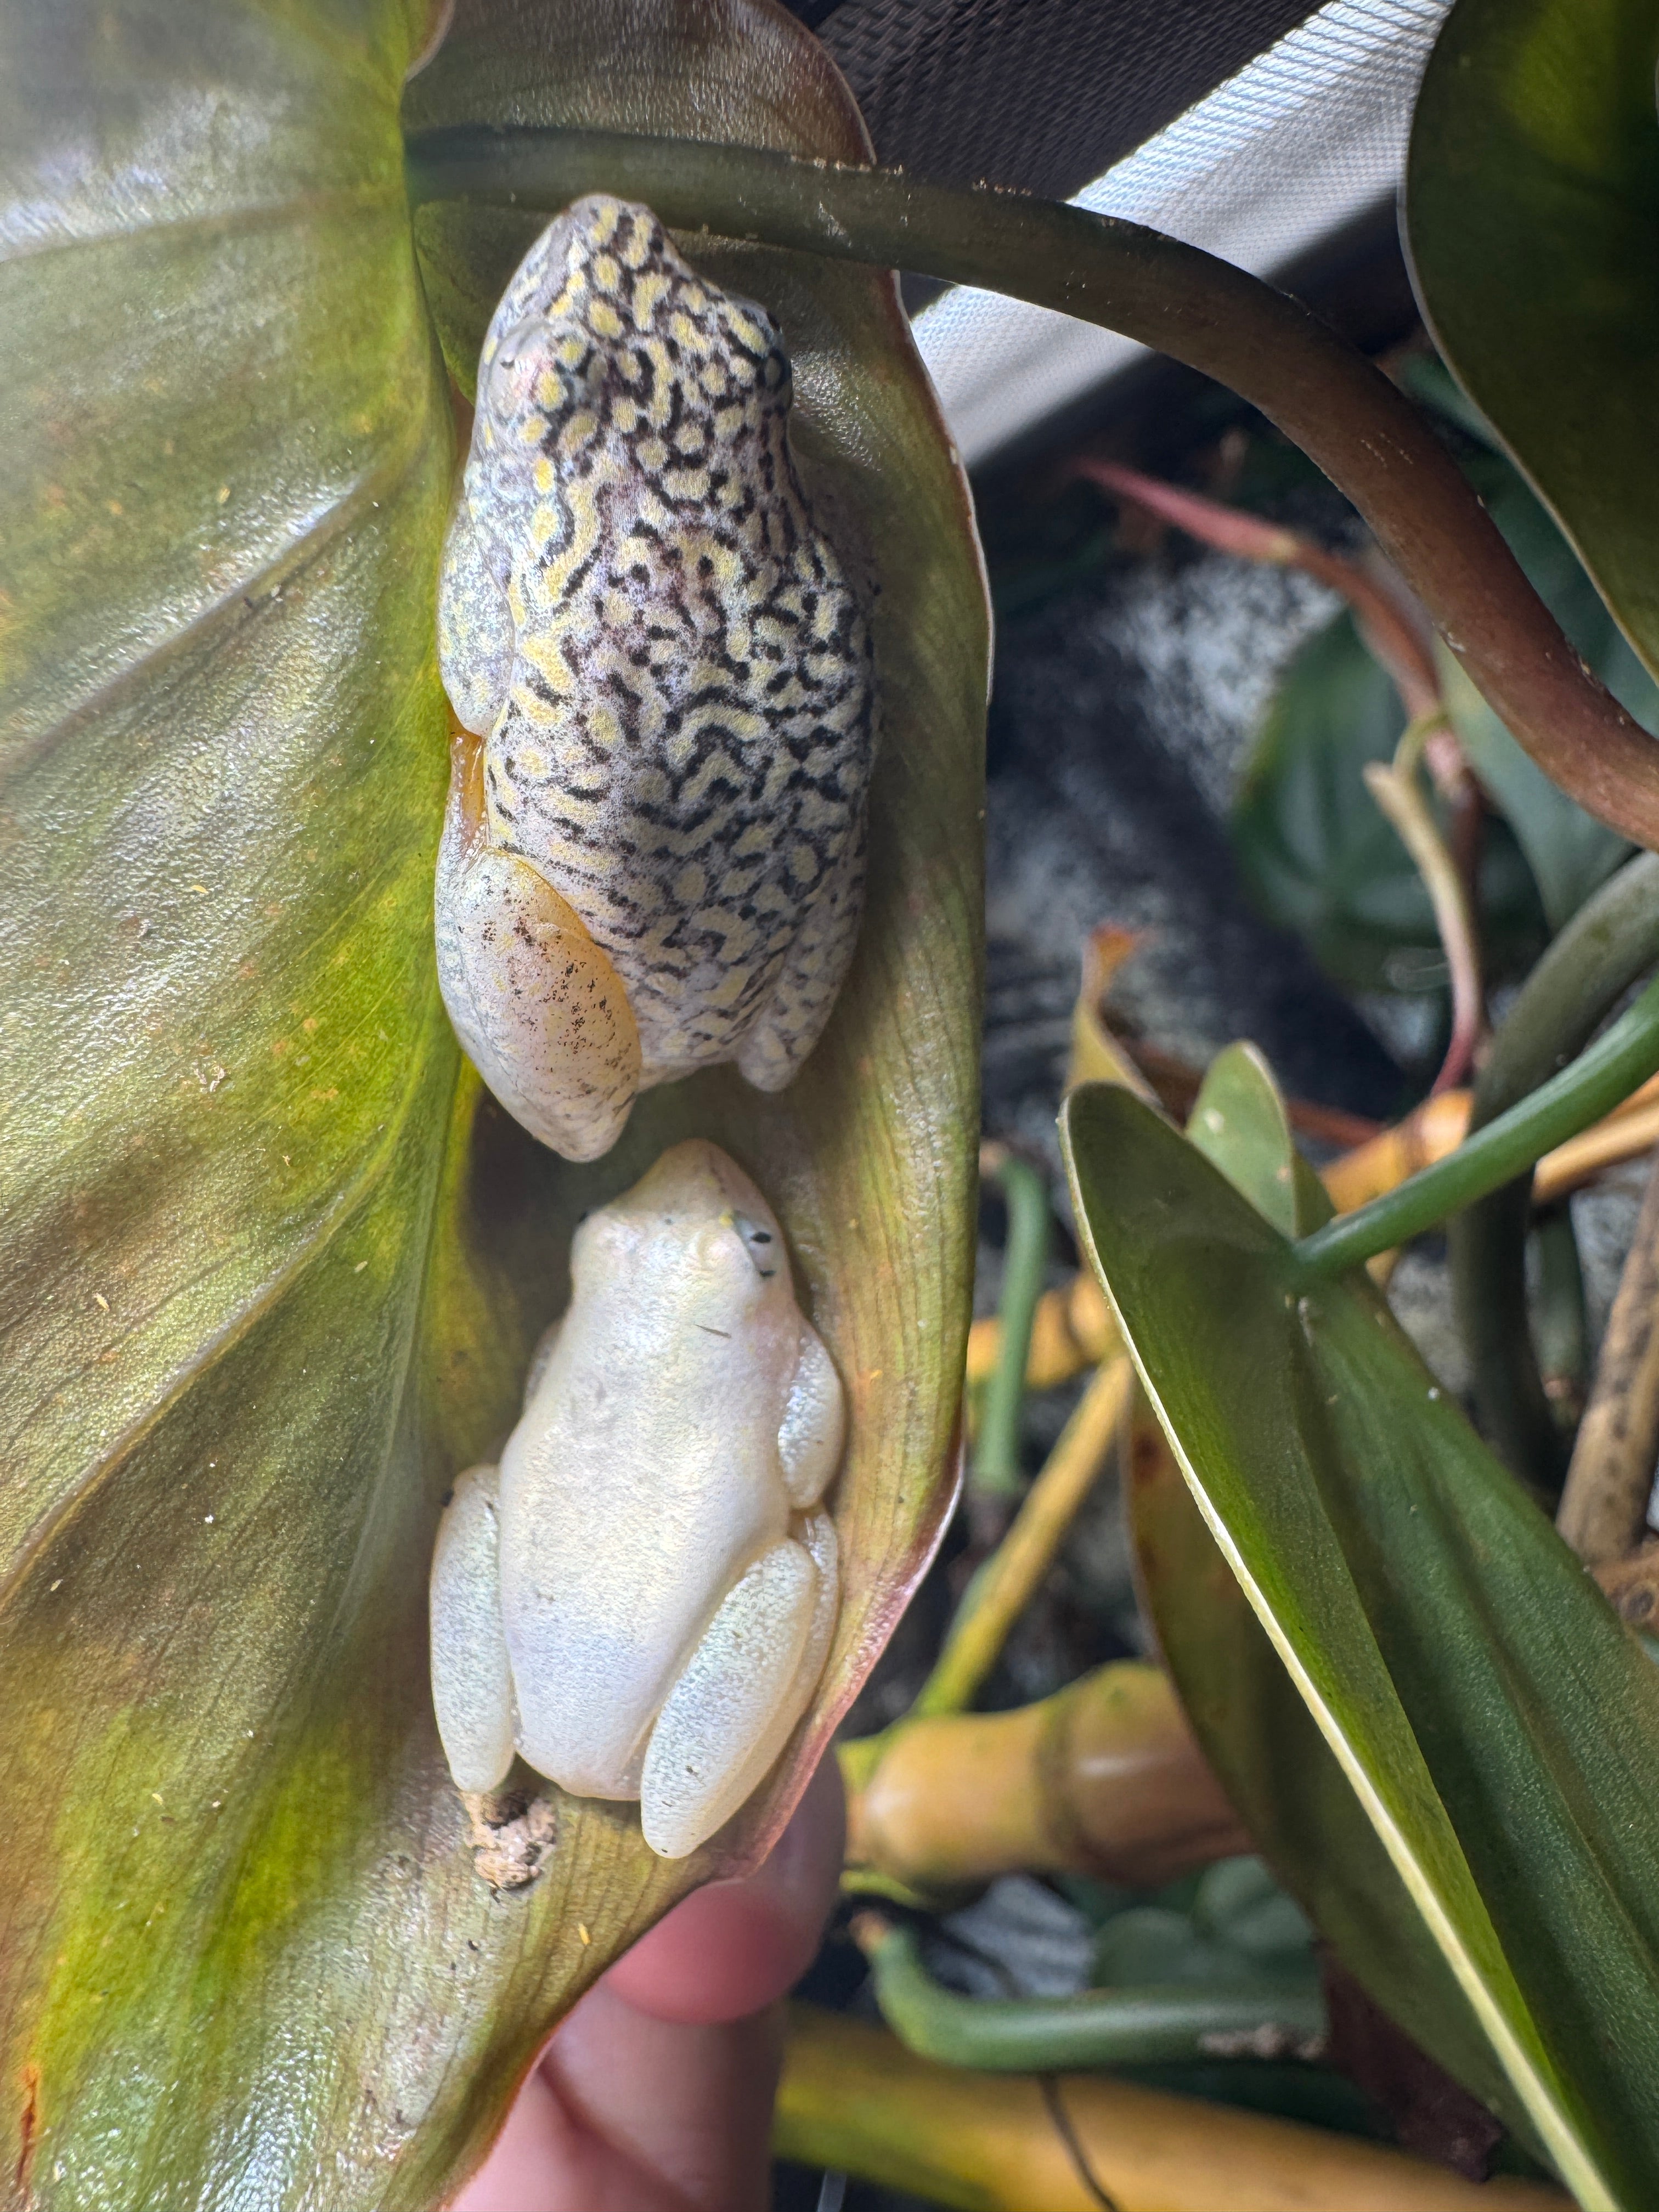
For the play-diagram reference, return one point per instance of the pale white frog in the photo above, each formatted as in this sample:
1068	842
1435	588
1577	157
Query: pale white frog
654	854
641	1598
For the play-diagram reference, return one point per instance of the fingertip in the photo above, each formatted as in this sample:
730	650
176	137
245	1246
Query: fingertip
522	2172
732	1947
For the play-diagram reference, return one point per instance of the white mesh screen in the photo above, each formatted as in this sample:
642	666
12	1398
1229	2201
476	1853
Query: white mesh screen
1297	144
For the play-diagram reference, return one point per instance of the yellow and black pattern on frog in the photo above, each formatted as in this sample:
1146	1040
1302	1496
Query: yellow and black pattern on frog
654	857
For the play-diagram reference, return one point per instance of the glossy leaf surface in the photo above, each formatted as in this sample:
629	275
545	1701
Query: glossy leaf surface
1532	208
1569	851
1498	1725
1245	1708
271	1269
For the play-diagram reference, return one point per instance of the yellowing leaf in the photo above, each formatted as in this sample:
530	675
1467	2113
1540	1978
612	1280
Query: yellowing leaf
271	1265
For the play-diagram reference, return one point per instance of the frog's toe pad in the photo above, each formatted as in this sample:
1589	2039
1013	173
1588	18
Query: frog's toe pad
814	1426
743	1688
541	1011
471	1676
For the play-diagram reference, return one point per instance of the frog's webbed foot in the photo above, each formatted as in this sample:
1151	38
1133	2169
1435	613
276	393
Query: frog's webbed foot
472	1676
539	1009
741	1692
792	1021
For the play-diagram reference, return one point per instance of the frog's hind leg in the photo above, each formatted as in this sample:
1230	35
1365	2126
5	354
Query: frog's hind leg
741	1692
538	1008
472	1676
792	1020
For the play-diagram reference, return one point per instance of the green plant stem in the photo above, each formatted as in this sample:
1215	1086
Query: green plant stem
1561	1325
1607	1071
1025	1258
1271	350
1041	2035
1606	945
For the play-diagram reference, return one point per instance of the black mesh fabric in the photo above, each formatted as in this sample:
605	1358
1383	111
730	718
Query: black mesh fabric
1041	93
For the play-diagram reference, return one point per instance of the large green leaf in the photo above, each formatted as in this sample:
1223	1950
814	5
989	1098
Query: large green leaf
1497	1724
1569	851
1532	215
271	1266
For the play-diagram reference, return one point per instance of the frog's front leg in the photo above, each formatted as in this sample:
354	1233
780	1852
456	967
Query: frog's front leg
539	1009
475	627
814	1424
471	1673
741	1692
792	1021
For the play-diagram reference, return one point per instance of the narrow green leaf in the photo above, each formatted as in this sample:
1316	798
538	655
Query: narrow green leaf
1245	1707
270	1266
1238	1120
1497	1722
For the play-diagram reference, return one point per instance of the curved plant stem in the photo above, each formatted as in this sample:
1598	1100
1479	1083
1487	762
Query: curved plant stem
1100	2027
1394	786
1606	945
853	2096
1609	1071
1624	1136
1319	390
1427	1133
1103	1779
1025	1257
1383	624
1005	1585
1604	1500
1403	655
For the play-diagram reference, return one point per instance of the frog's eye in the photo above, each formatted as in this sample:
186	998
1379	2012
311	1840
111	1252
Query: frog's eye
522	355
757	1242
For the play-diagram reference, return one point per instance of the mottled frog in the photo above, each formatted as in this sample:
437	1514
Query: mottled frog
653	857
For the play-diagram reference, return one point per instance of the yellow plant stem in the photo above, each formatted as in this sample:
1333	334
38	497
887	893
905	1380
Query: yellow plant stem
1097	1056
1009	1579
1072	1328
1628	1132
1105	1777
1435	1129
1395	788
1427	1133
1604	1500
852	2098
